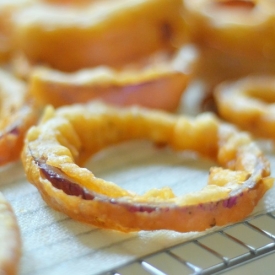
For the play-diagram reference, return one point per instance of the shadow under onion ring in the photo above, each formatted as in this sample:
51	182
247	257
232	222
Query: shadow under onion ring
67	137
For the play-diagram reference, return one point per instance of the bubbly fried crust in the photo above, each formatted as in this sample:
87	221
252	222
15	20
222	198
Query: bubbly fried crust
111	33
249	103
17	114
10	241
158	84
67	137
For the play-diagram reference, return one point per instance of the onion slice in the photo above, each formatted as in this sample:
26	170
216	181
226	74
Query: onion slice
56	149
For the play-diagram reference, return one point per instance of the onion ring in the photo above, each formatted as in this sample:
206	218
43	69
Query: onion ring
241	27
67	137
10	240
159	84
17	114
110	33
249	103
7	9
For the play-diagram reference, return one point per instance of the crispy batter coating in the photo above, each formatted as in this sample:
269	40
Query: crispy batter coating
17	114
10	240
55	150
159	83
249	103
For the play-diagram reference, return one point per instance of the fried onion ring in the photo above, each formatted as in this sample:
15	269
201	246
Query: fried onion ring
159	84
249	103
65	138
17	113
10	240
241	27
7	9
112	33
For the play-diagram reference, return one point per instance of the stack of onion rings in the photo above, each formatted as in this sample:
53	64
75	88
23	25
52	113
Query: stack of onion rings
67	137
10	240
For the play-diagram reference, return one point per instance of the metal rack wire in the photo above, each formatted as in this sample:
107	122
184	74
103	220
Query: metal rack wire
248	245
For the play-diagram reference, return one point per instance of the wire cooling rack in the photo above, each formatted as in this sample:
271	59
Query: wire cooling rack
247	247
